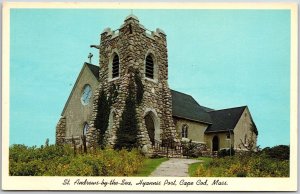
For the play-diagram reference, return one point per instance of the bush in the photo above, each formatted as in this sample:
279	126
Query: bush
280	152
226	152
60	161
192	149
244	165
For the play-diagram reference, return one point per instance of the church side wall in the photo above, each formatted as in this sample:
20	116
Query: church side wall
243	128
195	129
223	140
76	113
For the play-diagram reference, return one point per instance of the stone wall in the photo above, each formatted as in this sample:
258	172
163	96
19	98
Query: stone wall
132	43
60	131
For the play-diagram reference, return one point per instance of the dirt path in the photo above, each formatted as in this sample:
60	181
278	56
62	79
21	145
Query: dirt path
176	167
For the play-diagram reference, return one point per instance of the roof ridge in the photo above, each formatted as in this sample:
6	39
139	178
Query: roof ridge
180	92
90	64
229	108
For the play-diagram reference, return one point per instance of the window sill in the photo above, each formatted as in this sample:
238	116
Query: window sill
113	79
149	79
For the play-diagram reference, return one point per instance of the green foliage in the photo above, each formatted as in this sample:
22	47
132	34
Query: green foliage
226	152
190	149
280	152
242	165
127	132
60	161
102	117
139	87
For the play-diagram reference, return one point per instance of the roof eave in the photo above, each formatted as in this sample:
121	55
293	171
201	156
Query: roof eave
198	121
222	130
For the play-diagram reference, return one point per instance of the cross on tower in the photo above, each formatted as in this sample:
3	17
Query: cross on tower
90	57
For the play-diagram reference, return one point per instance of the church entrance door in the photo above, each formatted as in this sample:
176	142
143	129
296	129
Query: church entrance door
215	142
150	127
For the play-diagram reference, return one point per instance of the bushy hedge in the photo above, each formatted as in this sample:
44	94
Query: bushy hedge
60	161
244	165
280	152
226	152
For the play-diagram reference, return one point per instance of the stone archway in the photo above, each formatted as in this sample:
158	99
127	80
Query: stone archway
152	125
215	143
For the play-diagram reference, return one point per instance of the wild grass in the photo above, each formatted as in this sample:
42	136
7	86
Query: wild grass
243	165
60	161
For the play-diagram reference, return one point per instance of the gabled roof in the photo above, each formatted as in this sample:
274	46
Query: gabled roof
225	119
93	69
185	106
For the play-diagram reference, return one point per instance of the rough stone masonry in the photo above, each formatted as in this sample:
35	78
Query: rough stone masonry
132	42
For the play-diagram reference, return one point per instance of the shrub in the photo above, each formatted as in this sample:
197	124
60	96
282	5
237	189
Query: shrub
244	165
60	161
226	152
280	152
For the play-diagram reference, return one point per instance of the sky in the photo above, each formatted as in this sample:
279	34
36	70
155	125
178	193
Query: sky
223	58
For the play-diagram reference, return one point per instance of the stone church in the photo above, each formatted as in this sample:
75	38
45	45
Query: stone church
133	52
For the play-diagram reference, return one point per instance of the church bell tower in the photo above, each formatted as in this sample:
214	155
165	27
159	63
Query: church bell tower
134	57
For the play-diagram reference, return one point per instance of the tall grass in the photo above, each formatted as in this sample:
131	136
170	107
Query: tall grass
60	161
245	165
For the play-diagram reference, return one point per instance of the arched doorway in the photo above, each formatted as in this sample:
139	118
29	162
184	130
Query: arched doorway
150	127
215	142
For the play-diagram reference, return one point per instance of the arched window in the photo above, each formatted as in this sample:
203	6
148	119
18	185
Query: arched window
184	131
85	128
115	66
149	69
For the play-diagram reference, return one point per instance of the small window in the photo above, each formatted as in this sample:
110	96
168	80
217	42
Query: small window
115	66
149	70
228	136
184	131
85	128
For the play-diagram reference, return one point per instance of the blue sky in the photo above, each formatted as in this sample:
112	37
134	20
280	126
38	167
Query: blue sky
223	58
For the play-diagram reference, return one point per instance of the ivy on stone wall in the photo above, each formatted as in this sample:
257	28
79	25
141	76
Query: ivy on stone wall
102	117
139	87
113	93
127	132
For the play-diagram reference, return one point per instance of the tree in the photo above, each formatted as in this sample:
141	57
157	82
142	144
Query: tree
127	132
102	117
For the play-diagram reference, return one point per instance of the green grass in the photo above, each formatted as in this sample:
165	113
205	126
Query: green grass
150	164
193	167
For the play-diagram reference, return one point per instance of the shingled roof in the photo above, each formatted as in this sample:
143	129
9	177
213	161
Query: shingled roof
185	106
94	69
225	119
